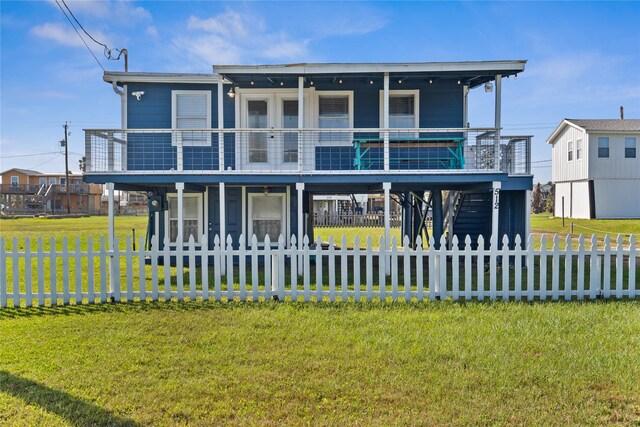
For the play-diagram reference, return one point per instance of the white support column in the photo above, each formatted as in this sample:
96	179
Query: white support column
465	106
220	126
498	119
385	120
387	224
111	231
223	225
300	122
300	236
495	208
180	190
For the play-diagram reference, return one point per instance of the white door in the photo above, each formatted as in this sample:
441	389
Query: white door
257	150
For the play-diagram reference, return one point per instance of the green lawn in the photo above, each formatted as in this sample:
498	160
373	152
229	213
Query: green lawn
307	364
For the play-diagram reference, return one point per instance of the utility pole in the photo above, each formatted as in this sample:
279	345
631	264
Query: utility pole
66	164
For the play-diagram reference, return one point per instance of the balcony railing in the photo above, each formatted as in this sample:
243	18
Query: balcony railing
43	188
303	151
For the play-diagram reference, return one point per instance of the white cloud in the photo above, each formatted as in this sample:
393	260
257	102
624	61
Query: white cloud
61	33
152	32
228	24
117	10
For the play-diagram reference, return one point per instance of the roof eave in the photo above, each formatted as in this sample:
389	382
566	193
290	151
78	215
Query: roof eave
128	77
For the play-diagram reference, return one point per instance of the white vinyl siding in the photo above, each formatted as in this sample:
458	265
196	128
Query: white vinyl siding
191	109
191	217
562	168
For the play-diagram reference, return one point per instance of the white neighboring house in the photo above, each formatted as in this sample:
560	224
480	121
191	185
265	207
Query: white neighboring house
596	168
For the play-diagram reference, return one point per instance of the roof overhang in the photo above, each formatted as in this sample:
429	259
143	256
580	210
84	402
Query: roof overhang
473	73
559	129
121	77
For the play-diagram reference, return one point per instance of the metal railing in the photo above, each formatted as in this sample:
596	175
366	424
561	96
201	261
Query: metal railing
300	151
40	189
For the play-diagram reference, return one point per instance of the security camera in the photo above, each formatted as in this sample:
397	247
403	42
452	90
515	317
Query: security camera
138	94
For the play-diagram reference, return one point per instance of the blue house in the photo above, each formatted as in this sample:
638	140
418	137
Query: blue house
242	151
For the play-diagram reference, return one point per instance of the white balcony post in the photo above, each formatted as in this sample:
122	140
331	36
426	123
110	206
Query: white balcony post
300	236
497	122
220	126
387	225
179	153
110	153
495	208
465	120
300	124
180	190
385	121
223	222
110	232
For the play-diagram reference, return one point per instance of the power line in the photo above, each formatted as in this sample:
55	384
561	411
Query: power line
46	161
541	161
29	155
107	51
77	32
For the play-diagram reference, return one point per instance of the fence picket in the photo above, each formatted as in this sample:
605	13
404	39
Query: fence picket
442	269
543	268
382	273
64	255
153	253
517	270
406	263
505	268
356	269
431	253
331	260
217	277
192	270
115	270
318	269
103	270
268	268
467	268
142	274
455	268
369	269
632	266
28	295
281	272
580	283
530	268
91	296
228	257
568	267
306	284
180	268
294	267
242	263
606	264
166	261
493	259
480	268
40	256
78	267
555	269
254	269
129	267
15	290
343	269
394	269
419	269
594	275
3	274
204	265
619	264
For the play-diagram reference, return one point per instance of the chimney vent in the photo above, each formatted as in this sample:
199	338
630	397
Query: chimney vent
621	112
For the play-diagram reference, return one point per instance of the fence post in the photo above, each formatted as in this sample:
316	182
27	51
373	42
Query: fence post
332	269
530	268
394	269
295	258
606	261
632	266
242	264
78	268
369	268
216	267
356	269
594	275
568	267
154	265
192	271
344	269
228	257
306	271
493	259
517	271
166	257
581	252
555	269
319	269
505	268
40	271
204	265
543	268
406	263
480	268
27	273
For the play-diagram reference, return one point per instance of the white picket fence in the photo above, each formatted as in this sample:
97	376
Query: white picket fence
262	272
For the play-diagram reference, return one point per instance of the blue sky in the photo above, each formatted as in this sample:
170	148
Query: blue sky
583	57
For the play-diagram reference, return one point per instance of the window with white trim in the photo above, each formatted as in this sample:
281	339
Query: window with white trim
570	151
191	217
266	216
191	109
629	148
403	112
578	149
42	181
52	180
333	113
14	181
603	147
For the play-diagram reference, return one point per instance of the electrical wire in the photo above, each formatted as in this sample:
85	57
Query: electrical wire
107	51
29	155
77	32
46	161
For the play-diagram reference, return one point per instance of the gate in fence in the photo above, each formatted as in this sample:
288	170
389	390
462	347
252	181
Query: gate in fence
62	272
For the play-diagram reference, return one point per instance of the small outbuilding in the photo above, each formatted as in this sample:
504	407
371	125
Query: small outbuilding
596	168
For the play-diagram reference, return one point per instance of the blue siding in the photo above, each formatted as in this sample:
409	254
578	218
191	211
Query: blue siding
441	105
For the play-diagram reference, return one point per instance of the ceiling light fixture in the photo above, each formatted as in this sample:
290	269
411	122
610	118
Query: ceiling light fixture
231	93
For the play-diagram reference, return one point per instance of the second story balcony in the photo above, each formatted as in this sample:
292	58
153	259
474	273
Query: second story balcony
306	151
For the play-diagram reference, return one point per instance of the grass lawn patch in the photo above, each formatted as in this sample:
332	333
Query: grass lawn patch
322	364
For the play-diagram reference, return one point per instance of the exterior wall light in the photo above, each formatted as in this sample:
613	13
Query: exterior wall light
231	93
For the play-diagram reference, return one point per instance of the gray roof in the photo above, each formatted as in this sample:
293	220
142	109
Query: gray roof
608	125
24	171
